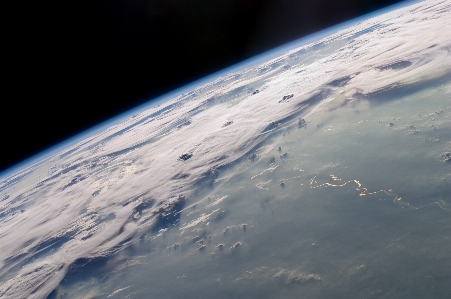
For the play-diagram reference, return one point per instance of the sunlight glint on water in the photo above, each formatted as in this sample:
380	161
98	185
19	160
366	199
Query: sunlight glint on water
354	205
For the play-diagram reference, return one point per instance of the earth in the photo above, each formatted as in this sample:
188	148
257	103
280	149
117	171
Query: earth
318	170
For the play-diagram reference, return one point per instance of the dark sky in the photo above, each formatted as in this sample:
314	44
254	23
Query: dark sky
74	64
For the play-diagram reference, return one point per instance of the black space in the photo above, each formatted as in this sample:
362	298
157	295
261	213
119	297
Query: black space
73	64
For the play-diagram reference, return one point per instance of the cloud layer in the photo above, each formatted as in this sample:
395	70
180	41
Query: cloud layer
91	199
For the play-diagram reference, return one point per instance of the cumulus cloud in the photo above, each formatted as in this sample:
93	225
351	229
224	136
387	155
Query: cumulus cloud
92	198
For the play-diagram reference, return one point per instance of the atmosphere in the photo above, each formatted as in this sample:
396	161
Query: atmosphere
75	64
321	170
